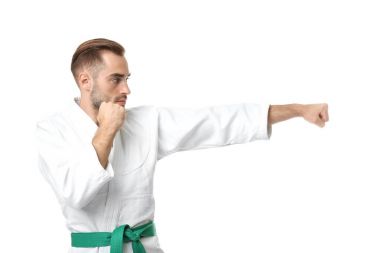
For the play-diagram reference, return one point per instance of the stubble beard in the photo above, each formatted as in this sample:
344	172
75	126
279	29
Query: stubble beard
97	97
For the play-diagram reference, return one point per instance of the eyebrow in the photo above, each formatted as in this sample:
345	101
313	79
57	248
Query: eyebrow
119	75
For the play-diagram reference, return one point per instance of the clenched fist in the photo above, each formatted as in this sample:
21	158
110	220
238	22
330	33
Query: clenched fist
110	119
111	116
315	113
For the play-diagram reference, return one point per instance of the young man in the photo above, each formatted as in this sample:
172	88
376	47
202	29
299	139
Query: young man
99	157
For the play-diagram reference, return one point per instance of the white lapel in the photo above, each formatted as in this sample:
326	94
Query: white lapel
84	126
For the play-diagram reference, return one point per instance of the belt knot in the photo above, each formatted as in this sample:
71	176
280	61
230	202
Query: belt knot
132	235
116	239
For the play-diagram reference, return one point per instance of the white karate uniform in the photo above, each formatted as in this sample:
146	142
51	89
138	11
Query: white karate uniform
94	199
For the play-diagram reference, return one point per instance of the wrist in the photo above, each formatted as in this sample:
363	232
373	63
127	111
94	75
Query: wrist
103	137
106	131
298	110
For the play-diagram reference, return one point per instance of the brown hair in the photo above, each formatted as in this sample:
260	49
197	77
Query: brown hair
88	53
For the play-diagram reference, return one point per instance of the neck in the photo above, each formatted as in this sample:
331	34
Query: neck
89	109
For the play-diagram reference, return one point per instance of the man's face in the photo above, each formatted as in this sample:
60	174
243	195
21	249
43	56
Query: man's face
110	81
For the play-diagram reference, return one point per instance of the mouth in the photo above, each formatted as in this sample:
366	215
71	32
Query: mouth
121	102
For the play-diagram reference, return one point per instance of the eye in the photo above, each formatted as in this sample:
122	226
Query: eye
115	80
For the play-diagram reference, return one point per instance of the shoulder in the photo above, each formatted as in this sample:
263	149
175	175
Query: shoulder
141	118
48	121
46	130
67	115
52	124
142	113
54	120
141	109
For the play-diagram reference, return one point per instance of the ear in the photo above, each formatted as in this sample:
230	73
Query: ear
84	81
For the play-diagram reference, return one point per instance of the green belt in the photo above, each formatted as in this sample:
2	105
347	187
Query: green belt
120	235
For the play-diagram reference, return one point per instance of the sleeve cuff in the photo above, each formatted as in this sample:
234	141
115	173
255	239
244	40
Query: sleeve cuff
104	174
265	129
109	170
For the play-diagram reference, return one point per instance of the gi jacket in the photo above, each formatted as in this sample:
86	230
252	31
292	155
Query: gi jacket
94	199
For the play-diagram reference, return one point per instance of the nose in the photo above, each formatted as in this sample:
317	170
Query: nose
124	88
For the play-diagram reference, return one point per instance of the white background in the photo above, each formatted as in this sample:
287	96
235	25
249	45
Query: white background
306	190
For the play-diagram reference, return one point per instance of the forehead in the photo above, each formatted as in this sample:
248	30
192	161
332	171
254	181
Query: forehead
114	63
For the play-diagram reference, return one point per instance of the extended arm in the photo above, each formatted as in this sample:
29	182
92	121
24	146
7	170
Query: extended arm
187	129
181	129
313	113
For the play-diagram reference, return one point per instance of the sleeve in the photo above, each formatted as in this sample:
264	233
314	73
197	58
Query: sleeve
187	129
74	173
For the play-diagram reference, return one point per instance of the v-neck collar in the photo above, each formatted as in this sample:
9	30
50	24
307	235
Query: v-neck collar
82	122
